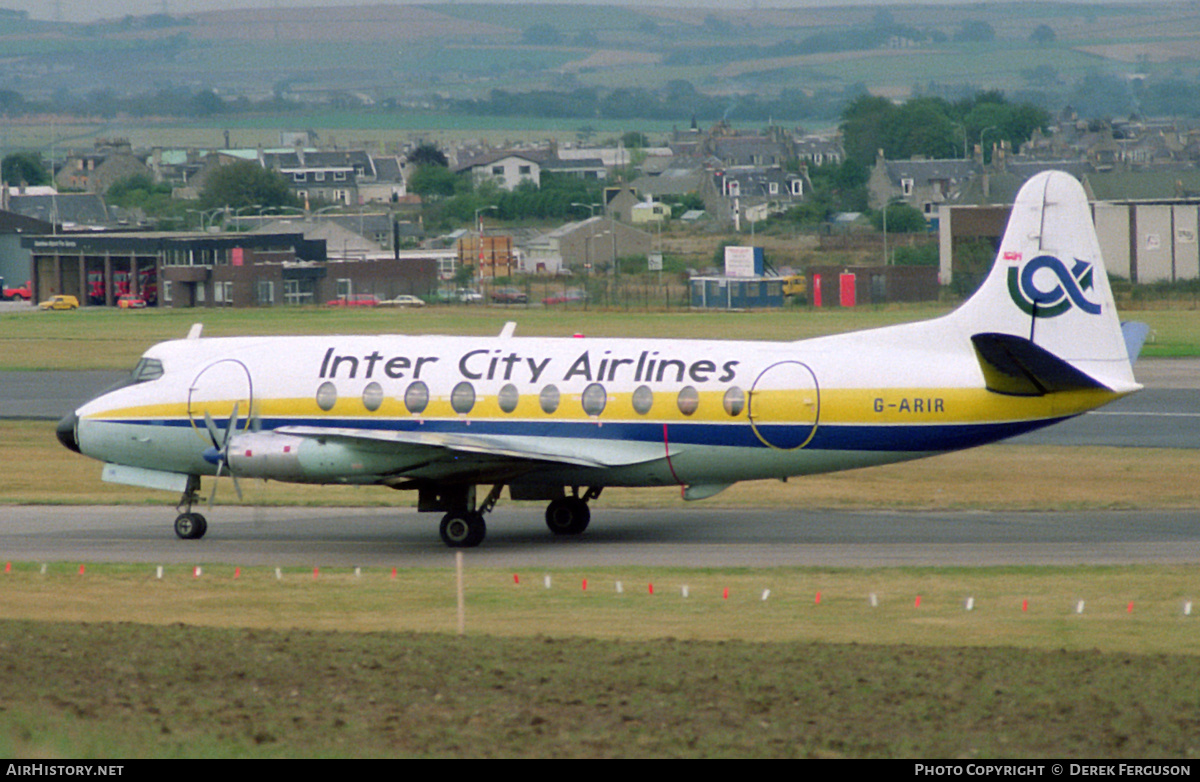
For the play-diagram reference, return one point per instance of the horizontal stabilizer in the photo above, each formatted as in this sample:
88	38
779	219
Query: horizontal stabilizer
1014	365
1135	333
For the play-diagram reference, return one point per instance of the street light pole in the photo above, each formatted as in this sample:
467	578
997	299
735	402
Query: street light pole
982	135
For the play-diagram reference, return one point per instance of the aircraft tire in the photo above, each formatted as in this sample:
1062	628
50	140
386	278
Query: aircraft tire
190	526
463	530
568	516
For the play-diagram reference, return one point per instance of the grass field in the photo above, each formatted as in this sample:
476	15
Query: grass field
103	338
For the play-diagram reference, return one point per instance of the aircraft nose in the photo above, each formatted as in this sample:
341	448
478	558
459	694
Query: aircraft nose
67	432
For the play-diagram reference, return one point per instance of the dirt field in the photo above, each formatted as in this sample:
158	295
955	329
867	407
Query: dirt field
127	691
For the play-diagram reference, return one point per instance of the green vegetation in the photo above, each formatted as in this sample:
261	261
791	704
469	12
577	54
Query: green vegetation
936	128
244	184
24	168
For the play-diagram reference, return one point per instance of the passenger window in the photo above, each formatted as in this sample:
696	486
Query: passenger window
594	399
689	400
416	397
462	398
372	397
326	396
643	400
508	398
734	401
549	399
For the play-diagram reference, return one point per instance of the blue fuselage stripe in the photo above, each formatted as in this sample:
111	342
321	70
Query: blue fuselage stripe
828	437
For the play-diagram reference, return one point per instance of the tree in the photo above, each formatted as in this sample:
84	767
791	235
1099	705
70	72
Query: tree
634	140
24	167
974	31
245	184
862	127
901	219
433	180
428	155
1042	34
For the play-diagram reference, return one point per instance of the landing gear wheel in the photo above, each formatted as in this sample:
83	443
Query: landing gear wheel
568	516
190	526
464	529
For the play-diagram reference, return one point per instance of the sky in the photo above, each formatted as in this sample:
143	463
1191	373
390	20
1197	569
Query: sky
74	11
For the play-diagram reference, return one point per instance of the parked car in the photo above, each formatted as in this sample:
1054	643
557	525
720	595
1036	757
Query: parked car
367	300
131	303
567	297
21	293
468	296
402	301
59	302
509	295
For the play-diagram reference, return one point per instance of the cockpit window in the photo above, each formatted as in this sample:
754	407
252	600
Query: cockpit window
147	369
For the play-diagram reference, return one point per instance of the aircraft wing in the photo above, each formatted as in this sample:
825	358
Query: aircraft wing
548	450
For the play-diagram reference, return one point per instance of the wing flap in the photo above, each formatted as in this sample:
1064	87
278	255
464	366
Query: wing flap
569	451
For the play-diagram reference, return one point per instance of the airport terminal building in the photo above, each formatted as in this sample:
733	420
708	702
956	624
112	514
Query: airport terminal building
206	270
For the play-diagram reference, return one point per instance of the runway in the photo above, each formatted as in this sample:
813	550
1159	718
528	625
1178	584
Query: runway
685	537
1166	414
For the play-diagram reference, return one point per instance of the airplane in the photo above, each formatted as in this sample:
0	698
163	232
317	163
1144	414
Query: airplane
561	419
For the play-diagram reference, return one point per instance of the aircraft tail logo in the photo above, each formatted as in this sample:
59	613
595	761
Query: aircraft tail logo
1067	288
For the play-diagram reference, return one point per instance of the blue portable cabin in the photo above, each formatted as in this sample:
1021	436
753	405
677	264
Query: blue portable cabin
736	293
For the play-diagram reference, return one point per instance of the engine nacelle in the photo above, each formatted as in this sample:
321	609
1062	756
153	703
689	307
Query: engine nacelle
285	457
267	455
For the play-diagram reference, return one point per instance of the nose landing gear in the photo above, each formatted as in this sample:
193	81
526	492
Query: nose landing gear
188	525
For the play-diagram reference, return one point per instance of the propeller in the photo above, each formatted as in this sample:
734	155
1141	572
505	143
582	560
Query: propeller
219	453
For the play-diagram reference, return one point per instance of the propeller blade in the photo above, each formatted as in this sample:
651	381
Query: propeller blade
216	480
221	445
211	426
229	430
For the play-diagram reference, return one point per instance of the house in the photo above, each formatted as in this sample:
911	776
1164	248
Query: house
97	170
341	242
67	210
589	246
731	195
506	169
592	169
385	182
819	150
619	202
922	184
649	212
321	176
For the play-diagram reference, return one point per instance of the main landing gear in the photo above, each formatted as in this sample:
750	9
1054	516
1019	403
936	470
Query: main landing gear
463	527
188	525
570	515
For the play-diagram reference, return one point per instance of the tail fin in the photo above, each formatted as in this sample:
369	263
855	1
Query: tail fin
1049	286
